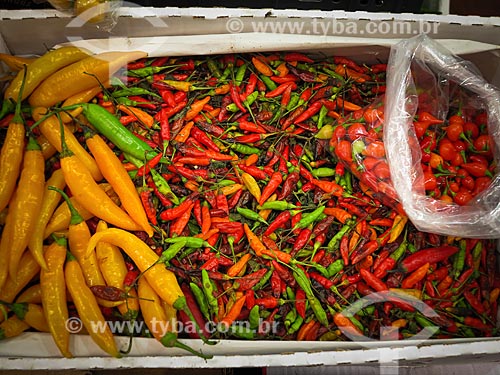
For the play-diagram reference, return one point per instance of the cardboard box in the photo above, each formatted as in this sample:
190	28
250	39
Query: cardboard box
206	31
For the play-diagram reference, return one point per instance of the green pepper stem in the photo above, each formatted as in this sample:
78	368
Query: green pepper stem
170	340
76	218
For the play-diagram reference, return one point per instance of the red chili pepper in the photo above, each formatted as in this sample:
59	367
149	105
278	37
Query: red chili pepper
249	281
289	185
372	280
204	139
130	278
477	169
148	141
145	195
150	164
281	89
297	56
300	303
271	186
211	264
275	284
429	255
267	302
254	171
301	240
163	199
340	60
175	212
284	273
474	302
235	97
323	281
279	222
438	274
369	248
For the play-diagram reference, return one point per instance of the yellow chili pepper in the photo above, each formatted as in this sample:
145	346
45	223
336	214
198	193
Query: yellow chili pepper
161	279
78	238
88	193
12	327
397	227
80	76
251	184
50	201
31	295
98	9
28	269
25	205
43	67
113	269
114	172
62	215
88	310
48	150
152	309
30	313
12	153
81	97
230	189
53	286
16	63
50	128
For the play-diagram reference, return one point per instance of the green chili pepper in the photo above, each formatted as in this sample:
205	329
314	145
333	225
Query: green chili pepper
290	294
109	126
335	241
310	218
250	214
171	251
264	280
459	259
270	84
208	290
128	102
334	74
250	99
476	258
323	172
294	100
321	118
132	91
290	318
148	71
314	302
245	149
163	186
242	331
295	325
227	71
214	68
240	74
335	267
278	206
254	317
189	241
200	299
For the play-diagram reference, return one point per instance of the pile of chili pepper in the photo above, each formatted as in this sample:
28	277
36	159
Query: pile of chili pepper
251	210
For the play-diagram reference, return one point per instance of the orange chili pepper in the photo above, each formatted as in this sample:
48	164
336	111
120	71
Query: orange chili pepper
196	108
142	116
262	67
184	133
234	312
236	268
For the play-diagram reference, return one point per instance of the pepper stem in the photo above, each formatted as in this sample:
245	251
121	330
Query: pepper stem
76	218
170	340
181	304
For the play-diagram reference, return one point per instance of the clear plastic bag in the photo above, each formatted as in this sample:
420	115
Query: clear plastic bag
421	65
